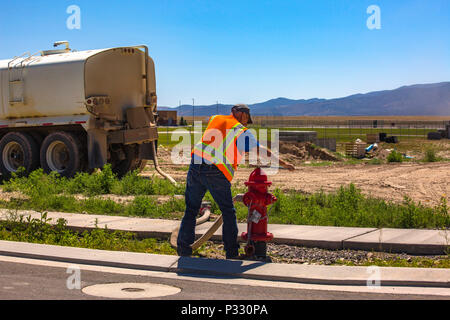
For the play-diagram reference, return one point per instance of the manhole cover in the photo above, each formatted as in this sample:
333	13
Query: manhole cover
130	290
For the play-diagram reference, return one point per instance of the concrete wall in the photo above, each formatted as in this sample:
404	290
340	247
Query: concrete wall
327	143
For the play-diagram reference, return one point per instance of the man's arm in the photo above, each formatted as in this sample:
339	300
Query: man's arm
283	163
247	142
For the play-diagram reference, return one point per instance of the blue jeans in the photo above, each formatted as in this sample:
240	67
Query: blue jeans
200	178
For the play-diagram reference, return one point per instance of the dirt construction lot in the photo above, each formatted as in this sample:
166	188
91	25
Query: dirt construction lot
422	182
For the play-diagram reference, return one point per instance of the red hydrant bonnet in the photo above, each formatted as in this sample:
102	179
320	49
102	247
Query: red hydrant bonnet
257	177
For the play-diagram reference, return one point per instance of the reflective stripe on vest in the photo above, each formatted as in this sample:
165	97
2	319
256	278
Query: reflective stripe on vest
212	155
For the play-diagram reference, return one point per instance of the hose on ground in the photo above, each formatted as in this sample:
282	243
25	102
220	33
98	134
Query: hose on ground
205	209
158	169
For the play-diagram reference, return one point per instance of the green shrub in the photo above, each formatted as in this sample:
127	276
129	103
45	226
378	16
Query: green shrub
395	156
430	155
100	182
133	184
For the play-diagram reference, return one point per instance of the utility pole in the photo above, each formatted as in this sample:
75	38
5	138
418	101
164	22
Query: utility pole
193	112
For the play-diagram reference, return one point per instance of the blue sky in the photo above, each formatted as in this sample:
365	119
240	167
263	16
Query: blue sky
251	51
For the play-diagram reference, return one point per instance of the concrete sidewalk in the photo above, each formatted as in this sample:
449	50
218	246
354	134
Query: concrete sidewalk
329	275
412	241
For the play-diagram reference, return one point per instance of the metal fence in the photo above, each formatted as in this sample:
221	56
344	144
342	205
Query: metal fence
325	123
348	129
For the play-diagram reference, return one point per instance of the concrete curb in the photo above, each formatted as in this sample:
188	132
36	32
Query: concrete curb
330	275
118	259
412	241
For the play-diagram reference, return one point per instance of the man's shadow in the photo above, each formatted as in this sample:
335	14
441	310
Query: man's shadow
214	267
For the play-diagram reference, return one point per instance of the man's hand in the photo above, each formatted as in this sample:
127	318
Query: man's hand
289	166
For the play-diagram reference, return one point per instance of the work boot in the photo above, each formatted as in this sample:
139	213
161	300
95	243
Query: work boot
183	253
235	256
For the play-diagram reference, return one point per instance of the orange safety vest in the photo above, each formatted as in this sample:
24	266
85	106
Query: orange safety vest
218	144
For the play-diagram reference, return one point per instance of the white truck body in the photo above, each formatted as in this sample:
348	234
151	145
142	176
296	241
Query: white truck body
110	94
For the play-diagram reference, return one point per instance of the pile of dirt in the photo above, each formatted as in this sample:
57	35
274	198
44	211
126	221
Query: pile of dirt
163	152
381	154
305	151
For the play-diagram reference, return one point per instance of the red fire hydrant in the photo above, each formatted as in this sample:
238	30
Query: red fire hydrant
257	199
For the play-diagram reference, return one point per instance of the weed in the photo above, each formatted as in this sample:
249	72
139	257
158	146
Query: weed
395	156
375	161
430	155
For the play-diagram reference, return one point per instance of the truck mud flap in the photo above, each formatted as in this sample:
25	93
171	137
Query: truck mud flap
97	148
146	151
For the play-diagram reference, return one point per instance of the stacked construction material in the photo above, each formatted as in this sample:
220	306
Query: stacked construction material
355	149
373	138
391	139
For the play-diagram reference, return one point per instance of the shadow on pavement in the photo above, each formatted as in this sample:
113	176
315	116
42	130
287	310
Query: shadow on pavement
222	268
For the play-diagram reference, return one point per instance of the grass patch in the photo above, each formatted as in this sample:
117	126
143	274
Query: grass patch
142	206
346	207
98	183
418	262
41	231
349	208
318	164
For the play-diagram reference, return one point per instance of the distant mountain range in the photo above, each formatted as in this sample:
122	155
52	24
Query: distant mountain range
415	100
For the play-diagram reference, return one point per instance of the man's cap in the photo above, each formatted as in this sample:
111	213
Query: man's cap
243	108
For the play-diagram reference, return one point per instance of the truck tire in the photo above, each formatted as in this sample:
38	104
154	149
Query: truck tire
18	149
62	152
129	162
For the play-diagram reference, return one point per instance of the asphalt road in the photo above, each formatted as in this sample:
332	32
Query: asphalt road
30	279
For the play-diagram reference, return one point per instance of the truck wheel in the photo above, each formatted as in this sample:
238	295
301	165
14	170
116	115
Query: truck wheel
62	152
125	159
18	149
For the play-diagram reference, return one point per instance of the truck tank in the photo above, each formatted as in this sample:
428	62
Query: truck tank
59	84
69	111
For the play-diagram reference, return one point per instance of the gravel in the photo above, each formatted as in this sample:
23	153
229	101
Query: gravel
304	255
294	254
